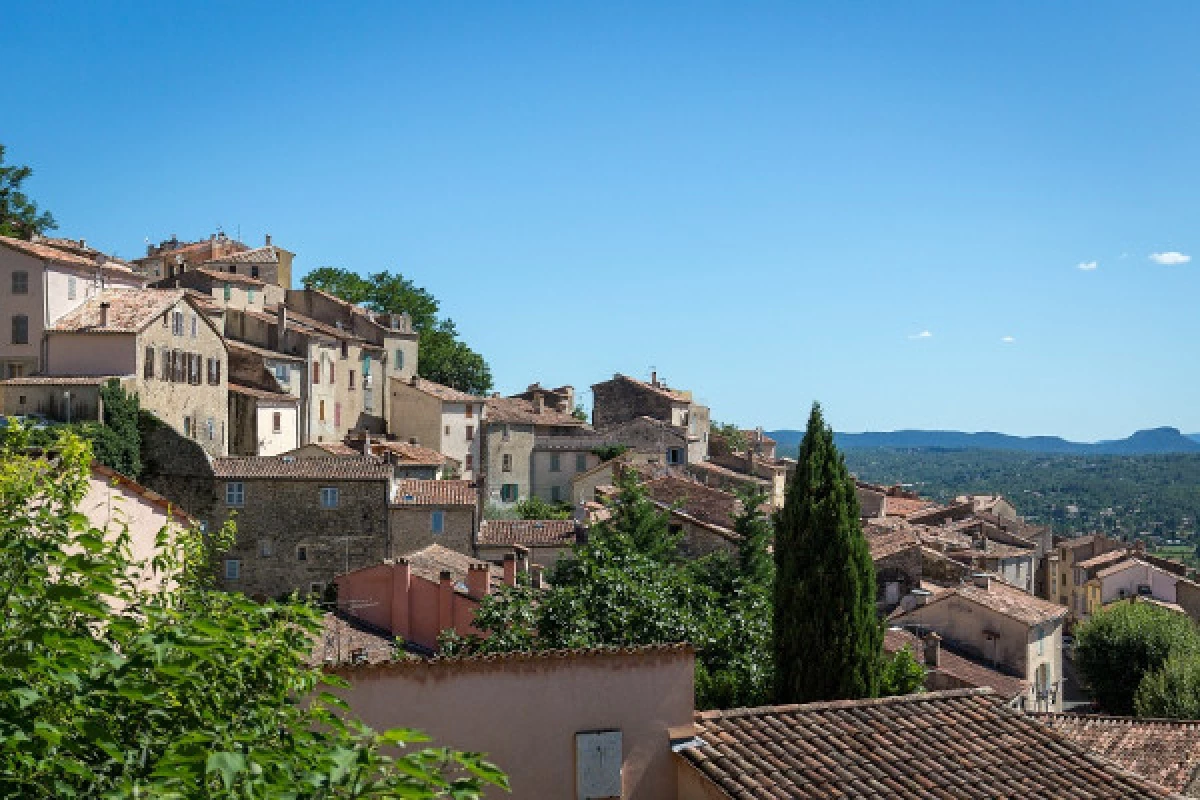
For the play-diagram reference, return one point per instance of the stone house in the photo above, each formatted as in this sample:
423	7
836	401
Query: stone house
39	285
269	263
171	257
162	346
945	669
225	290
262	423
435	416
300	521
531	449
544	540
624	398
1000	625
74	399
413	462
425	512
650	440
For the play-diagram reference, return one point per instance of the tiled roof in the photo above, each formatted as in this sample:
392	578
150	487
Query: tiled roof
346	640
431	560
889	542
262	351
409	453
1007	600
529	532
953	744
443	393
288	467
904	506
129	311
725	472
522	412
259	255
584	441
337	449
262	394
301	322
435	493
700	502
1104	559
56	380
674	395
967	673
1166	752
58	255
751	437
1120	566
228	277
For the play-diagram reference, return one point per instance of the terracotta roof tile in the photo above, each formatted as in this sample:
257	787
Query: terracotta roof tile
522	412
435	493
674	395
885	542
1005	599
952	744
47	252
967	673
904	506
346	640
1166	752
262	351
129	311
338	449
409	453
430	561
288	467
228	277
443	393
698	501
1104	559
528	532
259	255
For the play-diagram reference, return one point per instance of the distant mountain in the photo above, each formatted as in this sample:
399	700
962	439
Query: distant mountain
1148	442
1195	437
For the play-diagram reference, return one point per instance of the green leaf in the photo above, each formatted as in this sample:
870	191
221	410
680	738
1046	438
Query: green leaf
227	765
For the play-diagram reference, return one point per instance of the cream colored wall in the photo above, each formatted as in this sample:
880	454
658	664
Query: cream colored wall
963	621
1162	583
1050	654
415	415
543	479
31	305
288	438
524	713
454	435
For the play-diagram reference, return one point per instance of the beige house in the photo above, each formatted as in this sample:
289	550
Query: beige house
269	263
39	285
1000	625
226	290
1070	553
624	398
437	417
425	512
162	347
1126	577
532	448
262	423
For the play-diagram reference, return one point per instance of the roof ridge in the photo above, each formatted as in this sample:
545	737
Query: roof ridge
1116	719
532	655
833	705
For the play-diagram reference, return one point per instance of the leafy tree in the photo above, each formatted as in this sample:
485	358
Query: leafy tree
754	527
579	412
730	435
827	639
610	451
1122	644
112	685
901	674
19	216
537	508
1172	691
442	356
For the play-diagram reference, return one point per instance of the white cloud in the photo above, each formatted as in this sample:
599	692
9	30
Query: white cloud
1088	266
1170	257
1007	339
922	335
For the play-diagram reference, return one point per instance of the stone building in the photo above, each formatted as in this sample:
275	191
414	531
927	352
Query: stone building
300	521
443	512
435	416
261	422
652	440
269	263
544	540
171	257
40	284
226	290
162	347
624	398
522	455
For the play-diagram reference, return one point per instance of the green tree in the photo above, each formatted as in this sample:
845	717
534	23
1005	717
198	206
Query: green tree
1172	691
442	356
115	686
1122	644
728	434
19	216
579	412
754	527
827	639
608	452
537	508
901	674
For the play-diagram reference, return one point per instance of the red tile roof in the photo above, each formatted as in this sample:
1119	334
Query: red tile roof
443	393
952	744
129	311
886	542
228	277
346	640
966	673
698	501
1166	752
674	395
518	411
903	506
1003	599
409	453
259	255
435	493
528	532
291	468
430	561
1104	559
58	255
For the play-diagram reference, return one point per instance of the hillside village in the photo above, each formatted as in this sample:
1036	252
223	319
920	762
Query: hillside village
396	502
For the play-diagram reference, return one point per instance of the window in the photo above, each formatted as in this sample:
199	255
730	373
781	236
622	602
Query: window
581	462
195	325
470	431
177	323
316	589
302	552
235	494
437	521
164	364
321	411
508	493
351	379
1041	640
332	378
506	463
675	455
72	290
233	569
250	296
266	548
20	329
283	373
187	427
399	359
277	422
214	371
337	415
470	410
345	348
447	430
210	428
316	372
470	463
555	463
228	291
253	273
366	368
555	494
148	364
329	497
20	282
504	433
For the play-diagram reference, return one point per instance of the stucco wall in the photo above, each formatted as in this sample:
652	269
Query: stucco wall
1162	584
455	424
91	354
415	415
525	711
544	479
518	444
963	622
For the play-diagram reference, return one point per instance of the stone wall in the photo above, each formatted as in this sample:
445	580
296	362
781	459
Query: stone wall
515	441
47	399
619	400
412	529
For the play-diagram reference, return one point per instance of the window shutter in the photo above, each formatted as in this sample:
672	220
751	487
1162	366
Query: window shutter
217	371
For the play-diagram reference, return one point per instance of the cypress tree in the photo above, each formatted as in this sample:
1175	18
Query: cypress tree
828	640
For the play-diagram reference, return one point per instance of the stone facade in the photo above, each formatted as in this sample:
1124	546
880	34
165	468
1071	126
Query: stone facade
438	417
262	423
507	458
412	528
623	398
61	399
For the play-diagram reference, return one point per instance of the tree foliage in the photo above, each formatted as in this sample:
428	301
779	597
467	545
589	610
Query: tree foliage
1172	691
536	508
1120	645
117	443
729	435
442	356
112	685
19	216
828	641
901	674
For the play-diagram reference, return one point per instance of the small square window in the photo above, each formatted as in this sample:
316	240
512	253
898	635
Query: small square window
470	462
20	282
506	463
555	463
266	548
470	432
233	569
235	494
329	497
316	589
277	422
302	552
508	493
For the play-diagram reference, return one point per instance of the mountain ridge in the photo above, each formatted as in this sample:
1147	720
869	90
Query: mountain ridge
1151	441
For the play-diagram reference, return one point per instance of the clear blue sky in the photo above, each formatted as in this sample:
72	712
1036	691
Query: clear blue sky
769	202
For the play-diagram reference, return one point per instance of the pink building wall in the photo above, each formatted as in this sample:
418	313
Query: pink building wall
524	710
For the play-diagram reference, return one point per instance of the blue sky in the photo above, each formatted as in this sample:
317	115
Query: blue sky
768	202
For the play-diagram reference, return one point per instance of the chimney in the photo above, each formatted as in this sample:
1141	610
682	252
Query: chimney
104	314
366	443
445	600
916	598
654	377
510	569
522	554
478	584
539	402
535	576
413	381
83	244
933	650
982	580
268	240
